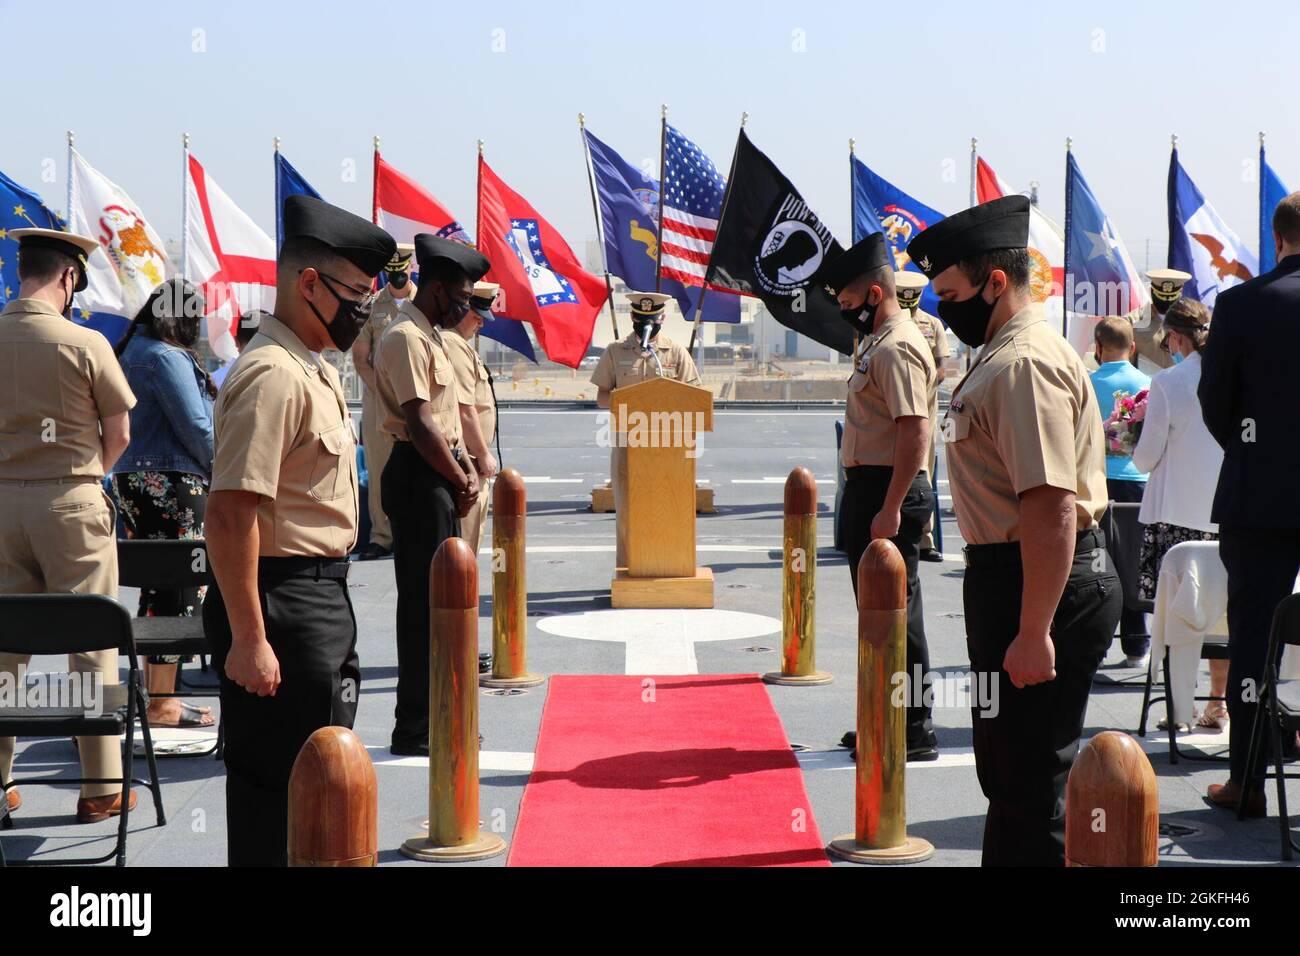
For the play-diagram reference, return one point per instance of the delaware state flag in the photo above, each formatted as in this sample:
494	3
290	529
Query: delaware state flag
1201	243
540	278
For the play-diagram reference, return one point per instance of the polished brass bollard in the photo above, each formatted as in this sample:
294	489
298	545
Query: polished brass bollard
880	799
798	585
509	586
454	833
1112	808
333	802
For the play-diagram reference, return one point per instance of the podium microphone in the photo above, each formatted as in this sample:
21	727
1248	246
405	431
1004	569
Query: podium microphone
646	331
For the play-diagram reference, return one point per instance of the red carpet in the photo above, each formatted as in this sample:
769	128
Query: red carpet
701	776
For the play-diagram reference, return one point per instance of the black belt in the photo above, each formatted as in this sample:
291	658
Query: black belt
859	472
1007	554
305	567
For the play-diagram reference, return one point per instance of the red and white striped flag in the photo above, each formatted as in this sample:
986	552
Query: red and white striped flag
1046	245
692	192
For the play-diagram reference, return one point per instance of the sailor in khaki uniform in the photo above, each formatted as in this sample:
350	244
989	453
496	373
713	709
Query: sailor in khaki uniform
642	354
1027	464
1166	289
281	519
478	404
398	289
887	492
910	285
64	405
429	484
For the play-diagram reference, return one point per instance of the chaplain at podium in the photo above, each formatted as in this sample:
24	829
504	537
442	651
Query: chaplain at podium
645	353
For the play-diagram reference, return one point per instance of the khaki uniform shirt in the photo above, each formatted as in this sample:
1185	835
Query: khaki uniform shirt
282	430
472	385
936	336
893	378
623	363
1024	416
413	364
381	316
57	380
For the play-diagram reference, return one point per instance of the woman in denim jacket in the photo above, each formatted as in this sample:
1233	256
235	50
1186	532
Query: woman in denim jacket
161	481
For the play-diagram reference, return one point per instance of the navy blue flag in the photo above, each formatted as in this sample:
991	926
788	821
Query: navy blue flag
510	333
1271	192
1201	243
880	206
288	182
629	213
21	208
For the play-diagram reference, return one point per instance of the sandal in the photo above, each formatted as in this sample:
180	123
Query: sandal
1213	720
1163	724
190	716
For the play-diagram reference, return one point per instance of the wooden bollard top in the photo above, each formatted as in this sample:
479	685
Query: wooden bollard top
508	498
882	578
453	576
333	802
800	492
1112	808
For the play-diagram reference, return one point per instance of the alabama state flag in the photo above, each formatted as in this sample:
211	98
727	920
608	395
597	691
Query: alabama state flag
540	278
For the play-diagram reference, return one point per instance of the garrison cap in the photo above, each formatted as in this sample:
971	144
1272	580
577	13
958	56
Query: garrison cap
430	249
362	243
1167	284
870	253
401	258
648	304
999	224
481	299
76	247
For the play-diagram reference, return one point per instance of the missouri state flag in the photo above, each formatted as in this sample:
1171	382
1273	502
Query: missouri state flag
541	280
1201	243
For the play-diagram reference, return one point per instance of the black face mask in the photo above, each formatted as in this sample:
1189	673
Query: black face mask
969	318
638	328
398	280
453	312
1160	305
862	320
349	319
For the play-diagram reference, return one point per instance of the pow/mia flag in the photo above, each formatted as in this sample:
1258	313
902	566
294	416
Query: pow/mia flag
771	245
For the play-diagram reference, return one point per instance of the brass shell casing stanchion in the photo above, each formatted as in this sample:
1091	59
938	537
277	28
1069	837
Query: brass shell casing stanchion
454	833
333	802
880	799
798	585
509	586
1112	808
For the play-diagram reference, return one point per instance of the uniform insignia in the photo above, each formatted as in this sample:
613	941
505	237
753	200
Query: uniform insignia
925	264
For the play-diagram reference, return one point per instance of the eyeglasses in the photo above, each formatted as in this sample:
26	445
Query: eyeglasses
368	296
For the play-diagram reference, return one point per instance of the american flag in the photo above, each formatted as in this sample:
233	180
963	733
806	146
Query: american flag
692	203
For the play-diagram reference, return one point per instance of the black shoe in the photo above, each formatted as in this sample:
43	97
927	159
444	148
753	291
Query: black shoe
929	554
375	552
409	749
850	739
485	663
921	752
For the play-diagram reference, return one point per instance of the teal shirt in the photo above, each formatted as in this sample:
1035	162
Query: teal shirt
1110	379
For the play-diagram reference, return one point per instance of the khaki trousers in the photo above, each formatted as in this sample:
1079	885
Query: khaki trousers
927	536
378	447
59	538
472	525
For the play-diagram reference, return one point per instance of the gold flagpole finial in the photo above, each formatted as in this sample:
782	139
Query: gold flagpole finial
852	142
744	118
480	147
1068	142
1261	139
663	111
1173	140
582	121
277	144
973	143
376	140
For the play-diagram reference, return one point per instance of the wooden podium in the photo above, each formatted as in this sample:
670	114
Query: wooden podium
659	421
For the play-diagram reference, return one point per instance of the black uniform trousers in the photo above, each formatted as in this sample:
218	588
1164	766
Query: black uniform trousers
1026	739
1262	564
1133	637
865	487
313	632
421	508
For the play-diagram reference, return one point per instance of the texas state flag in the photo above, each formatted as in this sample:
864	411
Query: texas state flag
1201	243
541	280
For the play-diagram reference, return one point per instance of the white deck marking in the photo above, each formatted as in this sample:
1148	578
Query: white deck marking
548	480
498	760
839	759
775	481
660	641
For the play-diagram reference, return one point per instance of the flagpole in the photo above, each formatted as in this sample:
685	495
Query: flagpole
1262	187
1068	299
374	185
185	204
279	200
722	211
853	224
663	149
974	170
600	223
71	139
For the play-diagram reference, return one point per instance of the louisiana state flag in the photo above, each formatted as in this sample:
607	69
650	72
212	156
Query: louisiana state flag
541	280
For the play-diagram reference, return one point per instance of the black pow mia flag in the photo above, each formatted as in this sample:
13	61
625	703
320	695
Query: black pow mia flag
771	245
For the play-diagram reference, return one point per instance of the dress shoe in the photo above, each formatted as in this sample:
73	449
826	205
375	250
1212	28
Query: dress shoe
375	552
850	739
1226	796
930	554
418	748
95	809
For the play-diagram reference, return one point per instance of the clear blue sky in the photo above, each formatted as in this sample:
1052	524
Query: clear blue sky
911	81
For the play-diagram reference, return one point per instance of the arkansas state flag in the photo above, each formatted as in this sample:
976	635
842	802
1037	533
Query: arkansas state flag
540	278
1046	245
228	256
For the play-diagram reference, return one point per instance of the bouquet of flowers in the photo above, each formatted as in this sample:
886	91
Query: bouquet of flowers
1124	426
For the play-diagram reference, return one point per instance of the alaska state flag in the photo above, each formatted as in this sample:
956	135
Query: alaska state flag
288	182
1271	192
629	215
880	206
541	280
1201	243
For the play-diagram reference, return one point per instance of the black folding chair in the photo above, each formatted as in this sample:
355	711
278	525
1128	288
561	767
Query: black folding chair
170	565
74	624
1278	712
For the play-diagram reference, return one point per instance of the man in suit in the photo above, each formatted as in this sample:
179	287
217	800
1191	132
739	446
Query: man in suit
1246	401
